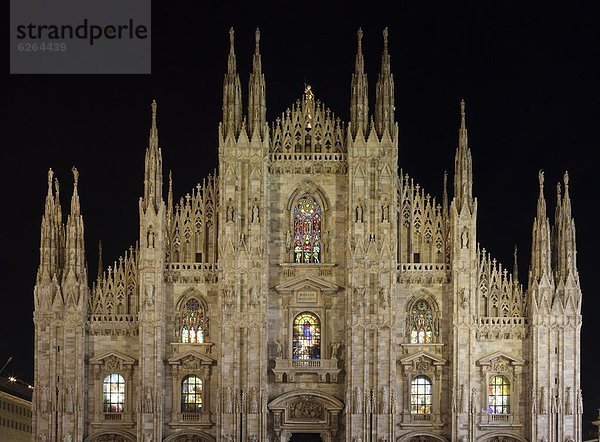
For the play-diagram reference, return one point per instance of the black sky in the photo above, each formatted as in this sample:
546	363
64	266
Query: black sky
529	76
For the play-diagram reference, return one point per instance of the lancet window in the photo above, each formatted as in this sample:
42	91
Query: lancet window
193	322
421	323
307	219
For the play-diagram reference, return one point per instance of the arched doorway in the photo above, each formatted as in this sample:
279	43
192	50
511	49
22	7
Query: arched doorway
305	415
111	436
305	437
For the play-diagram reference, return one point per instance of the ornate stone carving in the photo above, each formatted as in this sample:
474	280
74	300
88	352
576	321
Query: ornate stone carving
306	409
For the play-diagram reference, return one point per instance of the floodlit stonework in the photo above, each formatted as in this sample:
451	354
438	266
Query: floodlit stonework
308	288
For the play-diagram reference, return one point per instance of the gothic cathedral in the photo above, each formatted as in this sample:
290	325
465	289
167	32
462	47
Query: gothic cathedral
309	290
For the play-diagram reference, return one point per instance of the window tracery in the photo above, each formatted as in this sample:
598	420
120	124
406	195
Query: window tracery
307	220
421	323
193	326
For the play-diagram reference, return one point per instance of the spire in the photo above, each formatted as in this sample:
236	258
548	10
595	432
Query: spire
359	101
170	195
463	172
232	94
566	247
515	273
50	235
445	195
540	246
100	263
256	98
153	170
384	105
75	265
75	206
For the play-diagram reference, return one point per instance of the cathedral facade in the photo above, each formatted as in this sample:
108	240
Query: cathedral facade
309	290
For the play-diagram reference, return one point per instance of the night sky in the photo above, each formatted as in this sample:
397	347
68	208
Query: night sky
529	77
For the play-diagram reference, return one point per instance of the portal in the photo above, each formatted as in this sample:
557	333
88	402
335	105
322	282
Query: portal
305	437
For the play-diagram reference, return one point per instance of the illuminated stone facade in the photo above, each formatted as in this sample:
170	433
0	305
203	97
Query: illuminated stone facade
307	287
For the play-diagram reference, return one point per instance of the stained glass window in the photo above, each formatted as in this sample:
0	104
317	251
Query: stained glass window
113	389
306	337
193	322
421	323
307	231
421	394
191	394
499	395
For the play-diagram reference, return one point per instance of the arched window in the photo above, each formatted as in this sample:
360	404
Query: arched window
499	395
306	342
191	394
307	231
421	395
193	322
421	323
113	389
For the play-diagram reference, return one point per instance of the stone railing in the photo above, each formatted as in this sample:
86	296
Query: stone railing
108	325
422	273
195	272
191	419
308	163
113	416
320	367
489	421
490	328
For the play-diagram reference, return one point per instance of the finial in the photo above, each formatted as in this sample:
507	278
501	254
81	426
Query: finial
541	178
75	175
385	38
231	37
50	176
515	267
360	36
558	191
154	107
56	188
257	39
462	113
566	180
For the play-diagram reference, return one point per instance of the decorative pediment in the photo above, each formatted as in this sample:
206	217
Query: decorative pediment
298	399
422	360
191	360
113	360
308	282
500	361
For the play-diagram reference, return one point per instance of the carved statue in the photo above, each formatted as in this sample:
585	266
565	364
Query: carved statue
151	239
253	400
278	349
68	438
229	211
384	401
44	400
473	401
358	402
335	347
149	295
69	400
288	240
228	296
359	213
385	212
543	409
568	402
148	402
228	400
255	212
254	296
384	297
253	438
464	239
